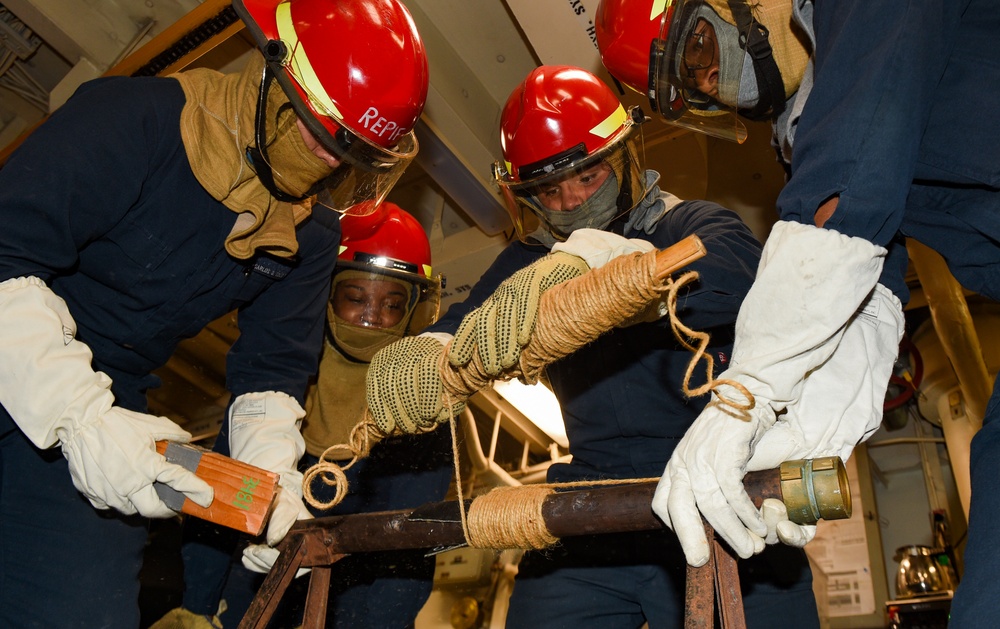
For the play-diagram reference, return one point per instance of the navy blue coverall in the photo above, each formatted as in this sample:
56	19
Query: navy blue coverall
901	124
100	202
624	411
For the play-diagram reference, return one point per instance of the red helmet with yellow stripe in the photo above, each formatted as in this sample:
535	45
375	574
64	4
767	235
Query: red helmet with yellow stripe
355	72
559	122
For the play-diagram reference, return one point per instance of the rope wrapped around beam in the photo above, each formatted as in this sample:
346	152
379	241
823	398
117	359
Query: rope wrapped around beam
570	315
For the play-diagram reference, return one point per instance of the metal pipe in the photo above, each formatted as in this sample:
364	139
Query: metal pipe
811	489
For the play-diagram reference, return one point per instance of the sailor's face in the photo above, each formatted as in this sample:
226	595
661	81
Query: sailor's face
571	192
700	62
370	302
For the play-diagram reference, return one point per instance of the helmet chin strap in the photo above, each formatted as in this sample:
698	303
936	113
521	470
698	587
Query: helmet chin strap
257	155
624	204
624	200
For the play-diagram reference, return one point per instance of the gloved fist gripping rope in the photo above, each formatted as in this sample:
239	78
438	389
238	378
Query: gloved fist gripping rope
404	387
500	328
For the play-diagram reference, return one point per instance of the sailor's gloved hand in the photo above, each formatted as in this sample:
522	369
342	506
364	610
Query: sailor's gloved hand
705	476
288	509
781	529
113	462
52	392
404	387
264	431
816	339
597	247
502	326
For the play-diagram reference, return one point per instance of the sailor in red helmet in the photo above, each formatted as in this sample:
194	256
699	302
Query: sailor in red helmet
575	181
876	155
143	209
707	64
383	289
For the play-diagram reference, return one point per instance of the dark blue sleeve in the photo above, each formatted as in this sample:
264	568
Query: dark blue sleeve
281	331
80	172
726	271
878	79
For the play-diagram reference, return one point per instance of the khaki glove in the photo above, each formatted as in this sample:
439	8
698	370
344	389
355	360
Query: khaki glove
52	392
500	328
817	365
404	386
264	431
180	618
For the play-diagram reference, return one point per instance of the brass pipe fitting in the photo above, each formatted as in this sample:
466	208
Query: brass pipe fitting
815	488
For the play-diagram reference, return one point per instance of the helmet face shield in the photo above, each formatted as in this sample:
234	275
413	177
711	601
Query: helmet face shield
358	91
575	190
280	154
697	69
377	292
367	171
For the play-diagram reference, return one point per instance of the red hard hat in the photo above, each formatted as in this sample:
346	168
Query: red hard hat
625	30
557	115
355	63
560	121
390	242
387	239
640	42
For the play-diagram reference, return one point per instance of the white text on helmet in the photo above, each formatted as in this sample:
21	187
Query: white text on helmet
381	124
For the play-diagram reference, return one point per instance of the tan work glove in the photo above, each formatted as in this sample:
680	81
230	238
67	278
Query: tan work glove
180	618
501	327
404	387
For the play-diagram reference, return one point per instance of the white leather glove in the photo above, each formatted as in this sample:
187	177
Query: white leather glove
51	391
841	401
288	508
781	529
597	247
264	431
800	318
